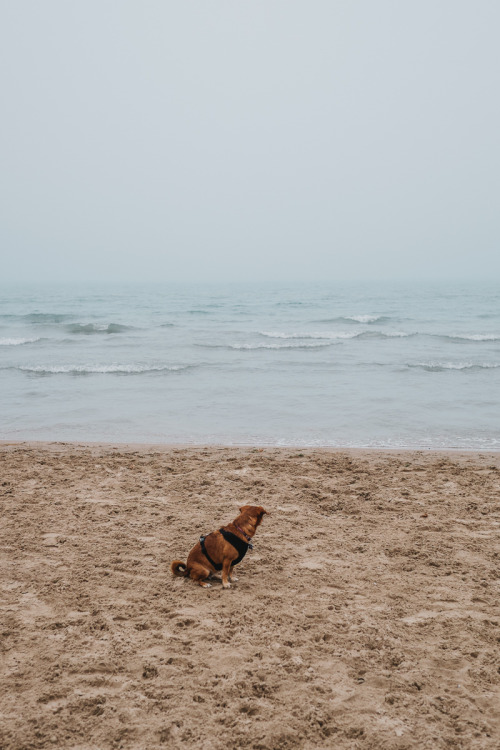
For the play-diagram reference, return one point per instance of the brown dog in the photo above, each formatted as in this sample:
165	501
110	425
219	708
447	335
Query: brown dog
221	549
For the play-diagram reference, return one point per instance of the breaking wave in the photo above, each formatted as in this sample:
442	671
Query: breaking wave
443	366
469	336
253	347
315	345
90	328
17	342
337	335
100	369
374	334
363	319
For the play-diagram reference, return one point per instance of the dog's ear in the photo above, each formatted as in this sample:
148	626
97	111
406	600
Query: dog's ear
244	508
259	510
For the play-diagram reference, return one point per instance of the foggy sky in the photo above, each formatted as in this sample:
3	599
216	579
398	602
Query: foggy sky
249	140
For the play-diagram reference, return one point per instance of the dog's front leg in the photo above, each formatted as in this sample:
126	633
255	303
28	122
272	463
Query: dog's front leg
226	567
232	577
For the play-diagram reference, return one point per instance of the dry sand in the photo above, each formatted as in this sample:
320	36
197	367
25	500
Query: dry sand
366	617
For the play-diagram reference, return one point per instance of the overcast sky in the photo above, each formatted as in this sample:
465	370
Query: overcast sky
249	139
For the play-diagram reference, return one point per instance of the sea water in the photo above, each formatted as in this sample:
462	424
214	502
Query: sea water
368	365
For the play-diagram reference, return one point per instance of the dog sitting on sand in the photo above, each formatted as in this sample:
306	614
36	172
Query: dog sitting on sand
221	549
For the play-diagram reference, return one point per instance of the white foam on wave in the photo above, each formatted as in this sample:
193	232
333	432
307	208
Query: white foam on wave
314	335
335	335
99	369
363	318
89	328
441	366
17	342
310	345
475	337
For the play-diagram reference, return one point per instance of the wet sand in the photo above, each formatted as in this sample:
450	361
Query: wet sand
367	615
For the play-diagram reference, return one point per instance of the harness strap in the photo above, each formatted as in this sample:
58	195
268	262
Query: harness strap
217	566
240	546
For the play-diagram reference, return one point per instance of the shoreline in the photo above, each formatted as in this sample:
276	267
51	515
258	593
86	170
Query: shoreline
163	447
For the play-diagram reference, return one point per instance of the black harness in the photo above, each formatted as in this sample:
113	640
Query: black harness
240	546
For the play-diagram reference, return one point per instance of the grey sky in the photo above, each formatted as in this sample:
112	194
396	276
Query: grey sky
257	139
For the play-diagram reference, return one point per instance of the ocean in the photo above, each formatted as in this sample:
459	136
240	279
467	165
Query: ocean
349	365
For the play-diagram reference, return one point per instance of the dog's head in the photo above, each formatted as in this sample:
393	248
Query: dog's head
253	513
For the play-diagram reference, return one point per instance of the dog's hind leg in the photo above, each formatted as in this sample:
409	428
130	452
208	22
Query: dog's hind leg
200	573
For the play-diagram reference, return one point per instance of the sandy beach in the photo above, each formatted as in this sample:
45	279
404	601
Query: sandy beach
367	615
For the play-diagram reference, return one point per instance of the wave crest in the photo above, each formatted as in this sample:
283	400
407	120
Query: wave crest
17	341
311	345
135	369
470	336
336	335
444	366
89	328
254	347
363	319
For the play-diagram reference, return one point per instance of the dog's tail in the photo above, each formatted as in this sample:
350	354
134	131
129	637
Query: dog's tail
179	568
